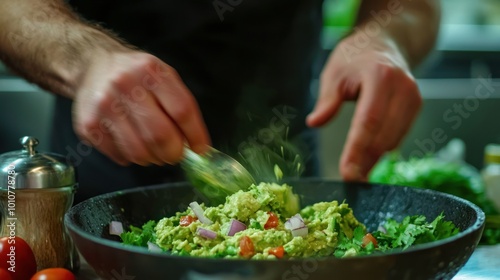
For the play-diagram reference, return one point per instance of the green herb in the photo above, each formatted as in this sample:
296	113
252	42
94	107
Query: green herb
432	173
353	246
139	236
256	225
412	230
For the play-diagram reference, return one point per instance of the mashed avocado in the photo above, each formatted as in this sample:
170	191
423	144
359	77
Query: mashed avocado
265	222
267	226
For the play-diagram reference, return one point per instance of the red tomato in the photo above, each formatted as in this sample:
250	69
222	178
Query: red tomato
54	274
4	274
279	252
367	239
17	257
246	247
186	220
272	221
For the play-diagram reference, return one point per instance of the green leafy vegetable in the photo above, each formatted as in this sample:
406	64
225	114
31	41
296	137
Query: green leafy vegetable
140	236
412	230
256	225
432	173
353	246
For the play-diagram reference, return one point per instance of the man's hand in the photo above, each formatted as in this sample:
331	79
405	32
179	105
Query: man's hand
377	74
388	101
134	108
129	105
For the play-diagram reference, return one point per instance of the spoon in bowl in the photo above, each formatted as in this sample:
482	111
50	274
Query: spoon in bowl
215	174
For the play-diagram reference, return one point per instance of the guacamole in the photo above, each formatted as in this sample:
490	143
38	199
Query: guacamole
265	222
260	215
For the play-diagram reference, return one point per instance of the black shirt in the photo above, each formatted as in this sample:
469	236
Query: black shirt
246	62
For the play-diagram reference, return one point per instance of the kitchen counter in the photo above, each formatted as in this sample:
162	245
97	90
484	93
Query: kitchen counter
484	264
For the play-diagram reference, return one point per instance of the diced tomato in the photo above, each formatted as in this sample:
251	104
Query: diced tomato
367	239
272	221
279	252
246	247
186	220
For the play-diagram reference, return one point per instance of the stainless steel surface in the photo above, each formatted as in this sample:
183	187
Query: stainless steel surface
29	169
29	143
484	264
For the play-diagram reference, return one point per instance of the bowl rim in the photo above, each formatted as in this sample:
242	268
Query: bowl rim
477	225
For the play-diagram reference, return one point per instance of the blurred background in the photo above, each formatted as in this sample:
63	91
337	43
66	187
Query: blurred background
465	63
456	74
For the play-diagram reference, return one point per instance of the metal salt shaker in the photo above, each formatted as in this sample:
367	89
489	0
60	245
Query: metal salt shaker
36	190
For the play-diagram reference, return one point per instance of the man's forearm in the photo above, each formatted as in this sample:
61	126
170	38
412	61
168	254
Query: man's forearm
412	25
45	42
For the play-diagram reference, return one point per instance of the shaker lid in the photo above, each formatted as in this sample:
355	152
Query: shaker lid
28	169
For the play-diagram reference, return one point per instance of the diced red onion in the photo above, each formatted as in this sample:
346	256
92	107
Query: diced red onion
382	229
154	248
206	233
301	231
236	226
297	225
295	222
115	228
198	211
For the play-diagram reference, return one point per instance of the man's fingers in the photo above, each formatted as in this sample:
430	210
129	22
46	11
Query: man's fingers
329	101
180	105
384	113
405	105
326	108
100	137
359	154
128	142
109	149
152	114
155	128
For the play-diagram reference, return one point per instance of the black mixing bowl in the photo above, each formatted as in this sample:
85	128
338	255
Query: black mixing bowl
88	225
